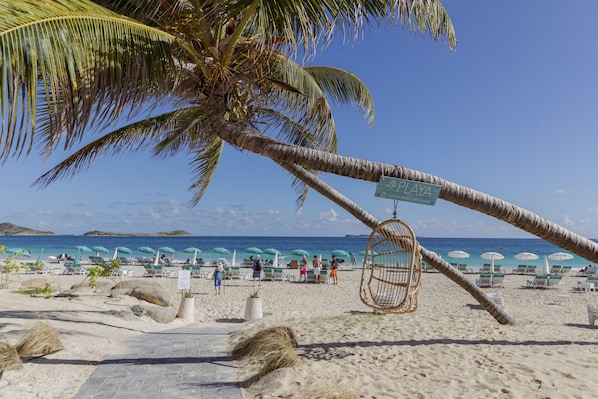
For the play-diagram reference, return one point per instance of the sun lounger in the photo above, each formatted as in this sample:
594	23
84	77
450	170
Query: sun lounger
485	280
268	273
540	281
149	270
462	268
555	280
531	269
555	269
521	269
199	272
498	280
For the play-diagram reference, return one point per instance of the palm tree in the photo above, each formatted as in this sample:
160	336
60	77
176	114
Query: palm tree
223	68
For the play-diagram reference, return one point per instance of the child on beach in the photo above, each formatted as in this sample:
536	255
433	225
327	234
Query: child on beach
334	270
218	276
303	270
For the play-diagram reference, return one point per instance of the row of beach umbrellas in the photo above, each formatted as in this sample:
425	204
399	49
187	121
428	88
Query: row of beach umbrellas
492	256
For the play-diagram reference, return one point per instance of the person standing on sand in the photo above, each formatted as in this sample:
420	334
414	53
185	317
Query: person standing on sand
303	269
257	270
334	270
317	264
218	276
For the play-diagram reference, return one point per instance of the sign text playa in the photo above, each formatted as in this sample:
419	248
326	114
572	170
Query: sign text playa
407	190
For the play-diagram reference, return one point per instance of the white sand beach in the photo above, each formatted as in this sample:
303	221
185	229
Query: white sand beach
449	348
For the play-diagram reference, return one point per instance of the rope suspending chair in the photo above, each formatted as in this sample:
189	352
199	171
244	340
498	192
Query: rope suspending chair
390	281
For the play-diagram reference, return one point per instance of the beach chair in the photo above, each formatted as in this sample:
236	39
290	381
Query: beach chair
521	269
310	276
149	270
565	270
497	268
540	281
486	268
554	280
160	271
235	272
79	269
294	264
555	269
462	268
277	274
498	280
453	265
199	272
485	280
531	269
124	261
268	273
588	285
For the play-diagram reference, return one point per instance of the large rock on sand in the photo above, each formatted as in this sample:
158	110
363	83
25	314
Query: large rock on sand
147	290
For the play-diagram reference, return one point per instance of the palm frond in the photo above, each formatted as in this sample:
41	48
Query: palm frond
76	63
309	23
206	157
142	135
344	88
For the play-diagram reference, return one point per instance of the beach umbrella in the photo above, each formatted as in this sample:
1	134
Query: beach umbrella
124	250
492	256
560	256
253	250
19	251
194	251
271	251
147	250
362	253
526	256
339	252
275	261
83	248
220	250
168	250
233	260
545	266
99	249
300	252
458	254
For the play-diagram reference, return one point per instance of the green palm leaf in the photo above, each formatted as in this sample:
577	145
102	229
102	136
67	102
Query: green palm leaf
73	55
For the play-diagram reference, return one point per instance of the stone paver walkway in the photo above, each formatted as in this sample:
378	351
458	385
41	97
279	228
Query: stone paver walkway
186	362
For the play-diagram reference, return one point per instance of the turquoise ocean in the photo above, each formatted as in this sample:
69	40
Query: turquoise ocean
508	247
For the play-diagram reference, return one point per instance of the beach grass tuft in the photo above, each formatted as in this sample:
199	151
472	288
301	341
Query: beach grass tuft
273	348
9	358
40	339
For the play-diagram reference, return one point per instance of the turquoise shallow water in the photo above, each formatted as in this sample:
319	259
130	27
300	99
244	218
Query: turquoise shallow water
54	245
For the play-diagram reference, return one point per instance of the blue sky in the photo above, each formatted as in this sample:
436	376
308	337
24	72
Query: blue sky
512	113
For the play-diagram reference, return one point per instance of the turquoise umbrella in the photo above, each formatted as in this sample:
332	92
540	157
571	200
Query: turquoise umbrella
221	250
253	250
98	248
339	252
271	251
146	250
168	250
19	251
300	252
123	250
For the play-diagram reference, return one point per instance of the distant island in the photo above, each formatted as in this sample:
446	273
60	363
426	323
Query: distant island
9	229
162	233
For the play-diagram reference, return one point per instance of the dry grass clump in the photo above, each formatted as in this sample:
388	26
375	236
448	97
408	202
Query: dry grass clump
40	339
273	348
9	358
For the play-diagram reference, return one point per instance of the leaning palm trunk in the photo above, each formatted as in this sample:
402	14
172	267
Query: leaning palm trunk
372	171
430	257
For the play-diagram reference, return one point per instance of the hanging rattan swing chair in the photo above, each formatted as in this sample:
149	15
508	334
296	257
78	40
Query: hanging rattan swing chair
392	269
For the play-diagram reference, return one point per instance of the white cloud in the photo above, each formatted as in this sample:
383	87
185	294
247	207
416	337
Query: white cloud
331	215
560	191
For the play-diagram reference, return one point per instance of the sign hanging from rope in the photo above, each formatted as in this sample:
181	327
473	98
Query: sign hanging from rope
407	190
392	268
